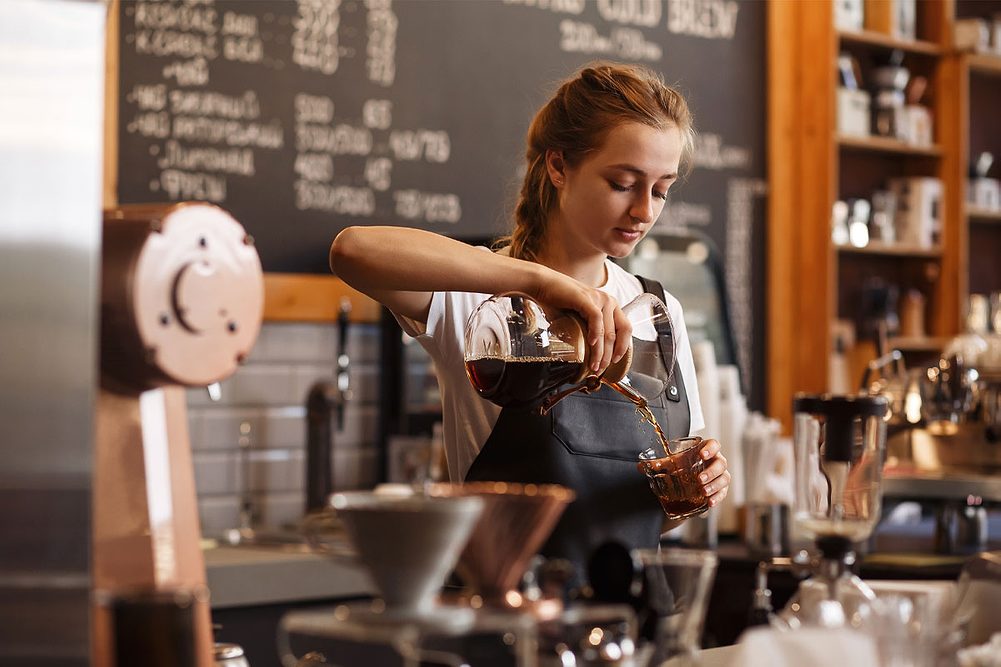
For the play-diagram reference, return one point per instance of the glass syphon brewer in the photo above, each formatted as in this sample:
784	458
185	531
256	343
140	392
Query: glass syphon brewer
517	354
840	445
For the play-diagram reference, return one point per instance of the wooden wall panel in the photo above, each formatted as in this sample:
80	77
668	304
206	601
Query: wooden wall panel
297	297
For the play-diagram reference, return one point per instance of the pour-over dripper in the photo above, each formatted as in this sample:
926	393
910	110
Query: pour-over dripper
677	584
517	354
516	520
408	544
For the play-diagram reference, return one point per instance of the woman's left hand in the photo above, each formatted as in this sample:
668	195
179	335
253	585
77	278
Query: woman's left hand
715	478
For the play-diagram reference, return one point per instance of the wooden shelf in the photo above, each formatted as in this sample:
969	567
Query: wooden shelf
889	146
812	281
985	64
983	215
880	40
891	249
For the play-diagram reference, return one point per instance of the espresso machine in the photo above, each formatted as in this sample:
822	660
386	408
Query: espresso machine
181	304
839	446
944	442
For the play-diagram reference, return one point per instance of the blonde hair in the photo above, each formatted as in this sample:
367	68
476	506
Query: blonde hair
575	122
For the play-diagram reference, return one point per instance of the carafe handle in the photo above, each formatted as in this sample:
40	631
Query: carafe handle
614	373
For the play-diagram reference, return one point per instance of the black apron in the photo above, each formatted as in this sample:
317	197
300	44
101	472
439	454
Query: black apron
591	444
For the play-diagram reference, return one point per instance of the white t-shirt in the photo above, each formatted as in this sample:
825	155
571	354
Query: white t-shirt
469	419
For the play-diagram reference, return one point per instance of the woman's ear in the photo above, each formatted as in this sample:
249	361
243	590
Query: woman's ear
555	167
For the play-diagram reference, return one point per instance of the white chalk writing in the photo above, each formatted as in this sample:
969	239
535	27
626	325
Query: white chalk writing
229	132
644	13
434	146
378	171
558	6
225	160
210	103
712	153
199	139
244	25
315	42
710	19
317	167
338	140
243	49
377	114
632	45
679	214
240	41
626	43
313	108
578	37
740	195
185	17
432	207
193	185
381	50
148	97
340	199
150	124
194	72
174	43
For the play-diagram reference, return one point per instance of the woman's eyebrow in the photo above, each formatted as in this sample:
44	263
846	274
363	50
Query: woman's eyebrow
639	172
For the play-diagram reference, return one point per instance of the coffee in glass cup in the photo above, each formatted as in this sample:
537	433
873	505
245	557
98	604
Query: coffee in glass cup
674	478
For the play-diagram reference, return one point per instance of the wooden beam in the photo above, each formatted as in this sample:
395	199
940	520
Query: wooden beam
109	191
802	178
293	297
782	204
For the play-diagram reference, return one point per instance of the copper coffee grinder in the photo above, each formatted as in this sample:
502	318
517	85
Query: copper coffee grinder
181	303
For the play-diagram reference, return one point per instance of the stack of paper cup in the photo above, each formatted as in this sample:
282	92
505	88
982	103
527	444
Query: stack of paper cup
703	530
733	419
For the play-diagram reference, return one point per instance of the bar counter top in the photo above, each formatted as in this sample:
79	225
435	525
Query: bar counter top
246	576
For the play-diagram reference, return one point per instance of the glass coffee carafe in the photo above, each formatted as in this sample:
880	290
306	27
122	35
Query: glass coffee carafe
840	445
518	354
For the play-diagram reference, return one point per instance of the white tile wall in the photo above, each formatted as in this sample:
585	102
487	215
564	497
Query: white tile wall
266	397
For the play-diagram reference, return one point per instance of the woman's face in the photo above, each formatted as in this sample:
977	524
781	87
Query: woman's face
610	200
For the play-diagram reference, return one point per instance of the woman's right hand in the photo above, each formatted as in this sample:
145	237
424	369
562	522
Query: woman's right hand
609	331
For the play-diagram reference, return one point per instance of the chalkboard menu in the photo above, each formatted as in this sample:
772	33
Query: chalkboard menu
302	117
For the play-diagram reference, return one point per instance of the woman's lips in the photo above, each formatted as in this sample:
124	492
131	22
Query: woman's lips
628	234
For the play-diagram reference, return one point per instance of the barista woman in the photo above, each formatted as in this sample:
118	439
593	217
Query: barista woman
602	155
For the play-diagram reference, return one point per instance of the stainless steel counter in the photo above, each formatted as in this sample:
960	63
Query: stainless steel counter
247	576
723	656
941	486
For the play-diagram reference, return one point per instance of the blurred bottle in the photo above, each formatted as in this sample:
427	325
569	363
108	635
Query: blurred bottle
972	343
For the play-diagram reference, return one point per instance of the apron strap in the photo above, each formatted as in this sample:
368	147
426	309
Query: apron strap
665	338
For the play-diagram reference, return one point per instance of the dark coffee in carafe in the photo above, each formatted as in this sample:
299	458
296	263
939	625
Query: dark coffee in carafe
519	381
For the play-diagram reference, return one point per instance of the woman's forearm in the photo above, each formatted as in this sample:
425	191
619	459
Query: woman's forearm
401	267
381	259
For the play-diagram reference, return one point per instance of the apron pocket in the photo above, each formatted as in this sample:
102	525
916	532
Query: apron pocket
605	424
